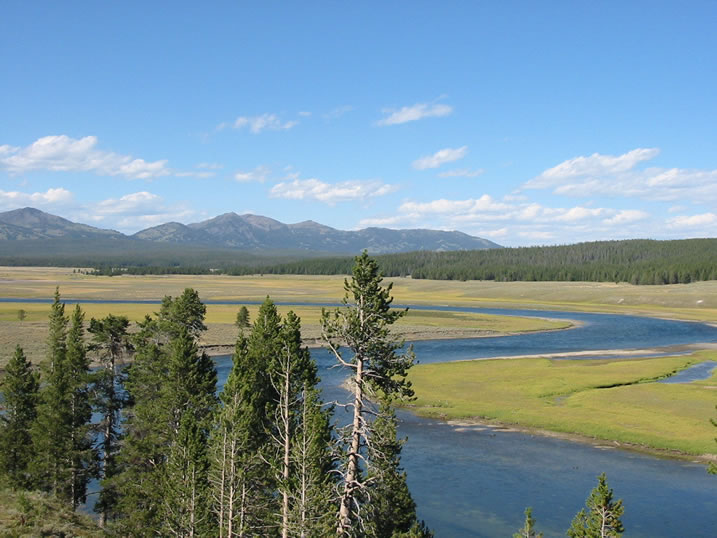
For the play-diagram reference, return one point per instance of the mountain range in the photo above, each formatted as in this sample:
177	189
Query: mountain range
251	233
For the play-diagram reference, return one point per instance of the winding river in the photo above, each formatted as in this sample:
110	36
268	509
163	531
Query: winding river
476	481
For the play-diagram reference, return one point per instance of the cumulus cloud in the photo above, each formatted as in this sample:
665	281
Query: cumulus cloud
627	216
692	221
595	165
129	204
265	122
414	113
619	176
62	153
462	172
516	221
330	193
443	206
15	199
135	211
440	157
260	174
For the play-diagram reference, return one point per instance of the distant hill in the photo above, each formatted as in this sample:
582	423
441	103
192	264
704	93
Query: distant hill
254	232
31	236
30	223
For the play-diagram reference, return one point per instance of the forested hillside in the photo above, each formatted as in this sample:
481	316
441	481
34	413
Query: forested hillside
634	261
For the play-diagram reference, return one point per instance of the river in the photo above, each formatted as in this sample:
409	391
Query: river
473	481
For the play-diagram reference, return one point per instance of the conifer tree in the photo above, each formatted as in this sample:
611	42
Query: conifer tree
242	320
142	451
294	378
51	430
392	510
602	519
109	342
19	388
313	480
237	471
528	528
377	369
82	457
172	389
243	489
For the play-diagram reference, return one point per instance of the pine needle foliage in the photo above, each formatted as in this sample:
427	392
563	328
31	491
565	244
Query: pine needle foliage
601	516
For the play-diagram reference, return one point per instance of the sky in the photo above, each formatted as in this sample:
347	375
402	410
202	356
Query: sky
526	123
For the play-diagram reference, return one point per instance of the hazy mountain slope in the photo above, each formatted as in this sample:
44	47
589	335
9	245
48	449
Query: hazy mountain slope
252	233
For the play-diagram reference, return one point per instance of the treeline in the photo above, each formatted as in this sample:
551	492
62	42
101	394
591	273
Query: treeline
261	457
639	261
634	261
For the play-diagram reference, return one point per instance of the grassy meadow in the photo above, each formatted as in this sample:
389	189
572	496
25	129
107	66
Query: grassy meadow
546	394
40	283
696	301
611	400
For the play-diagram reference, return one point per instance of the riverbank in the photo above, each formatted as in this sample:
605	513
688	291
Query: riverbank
608	402
219	339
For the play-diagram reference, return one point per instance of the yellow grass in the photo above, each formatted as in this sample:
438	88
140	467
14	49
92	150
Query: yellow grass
696	301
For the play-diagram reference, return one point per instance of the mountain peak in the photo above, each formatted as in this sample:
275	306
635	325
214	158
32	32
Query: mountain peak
246	232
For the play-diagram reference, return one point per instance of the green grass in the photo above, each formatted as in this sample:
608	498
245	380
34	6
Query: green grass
37	514
612	400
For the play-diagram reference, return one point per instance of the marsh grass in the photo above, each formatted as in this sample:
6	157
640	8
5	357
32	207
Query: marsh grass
31	333
615	400
696	301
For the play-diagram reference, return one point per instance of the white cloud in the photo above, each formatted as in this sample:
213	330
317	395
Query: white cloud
305	114
500	232
209	166
535	234
691	221
413	113
64	154
135	211
627	216
594	165
199	175
337	112
462	172
396	221
132	204
618	176
265	122
15	199
575	213
260	174
454	207
330	193
440	157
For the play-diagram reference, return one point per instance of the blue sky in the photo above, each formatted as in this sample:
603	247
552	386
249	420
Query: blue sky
522	122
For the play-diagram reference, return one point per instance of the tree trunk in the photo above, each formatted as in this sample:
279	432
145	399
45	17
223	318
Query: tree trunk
352	467
287	448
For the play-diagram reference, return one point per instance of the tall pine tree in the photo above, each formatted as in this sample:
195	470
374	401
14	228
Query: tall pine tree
378	370
19	388
51	429
244	486
110	342
162	483
81	454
